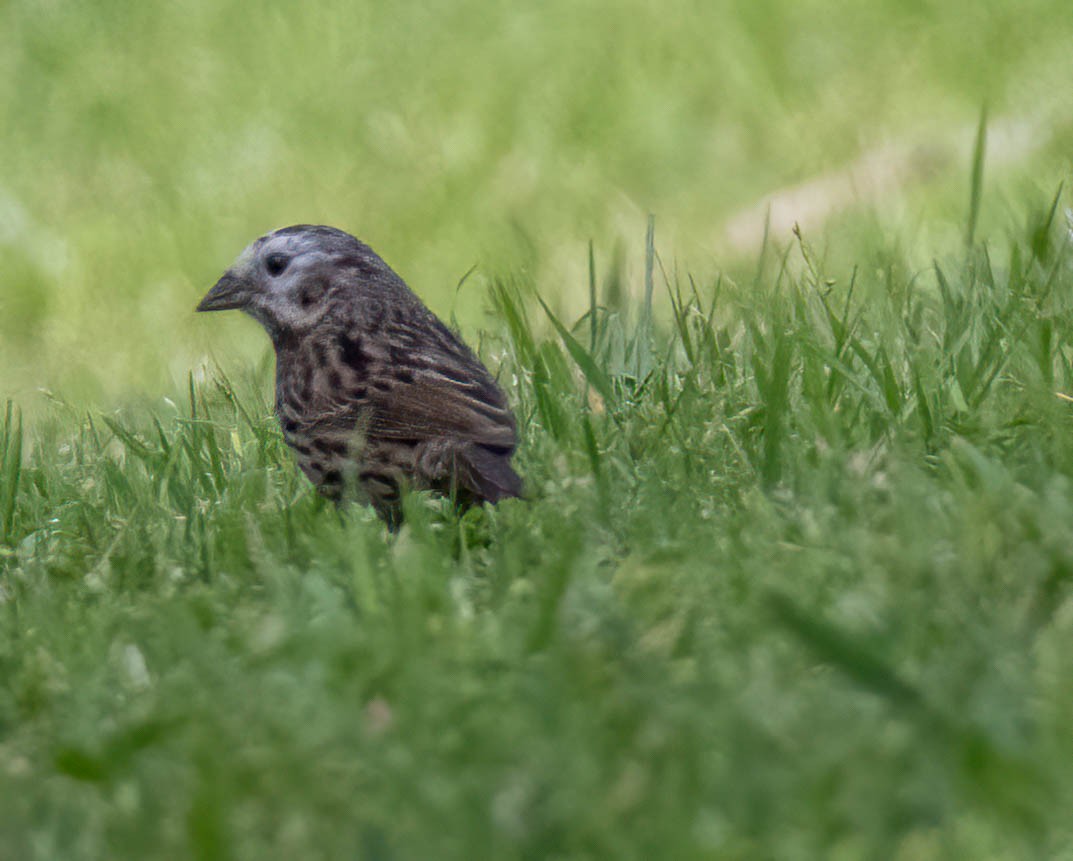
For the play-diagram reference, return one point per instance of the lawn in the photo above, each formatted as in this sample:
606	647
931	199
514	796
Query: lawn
793	574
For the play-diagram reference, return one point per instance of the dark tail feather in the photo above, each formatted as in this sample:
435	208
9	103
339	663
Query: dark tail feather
468	471
486	473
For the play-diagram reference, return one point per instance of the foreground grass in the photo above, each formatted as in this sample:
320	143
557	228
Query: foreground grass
792	581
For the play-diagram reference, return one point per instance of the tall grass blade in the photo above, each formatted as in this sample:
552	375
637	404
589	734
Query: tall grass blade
592	372
508	304
650	269
592	299
775	390
979	152
838	649
10	470
131	443
1040	234
642	342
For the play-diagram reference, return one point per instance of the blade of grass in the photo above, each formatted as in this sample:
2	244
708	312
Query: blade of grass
592	372
979	152
10	470
592	299
838	649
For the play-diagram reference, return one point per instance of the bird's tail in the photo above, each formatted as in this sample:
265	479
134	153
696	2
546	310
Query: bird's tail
469	471
486	473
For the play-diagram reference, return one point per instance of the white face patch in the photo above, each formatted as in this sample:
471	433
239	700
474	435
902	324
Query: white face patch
292	298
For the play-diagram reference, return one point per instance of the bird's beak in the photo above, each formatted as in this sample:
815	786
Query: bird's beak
228	293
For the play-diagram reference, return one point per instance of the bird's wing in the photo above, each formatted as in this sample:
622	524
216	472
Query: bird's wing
449	404
426	404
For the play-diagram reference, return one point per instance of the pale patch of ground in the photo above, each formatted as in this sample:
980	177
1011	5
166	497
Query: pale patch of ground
877	173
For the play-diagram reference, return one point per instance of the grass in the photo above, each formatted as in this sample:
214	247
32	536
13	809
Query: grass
793	577
142	149
793	580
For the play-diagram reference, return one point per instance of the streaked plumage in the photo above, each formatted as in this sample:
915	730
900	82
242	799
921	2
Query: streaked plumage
373	392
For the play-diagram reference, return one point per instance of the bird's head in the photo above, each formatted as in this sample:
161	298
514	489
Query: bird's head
286	278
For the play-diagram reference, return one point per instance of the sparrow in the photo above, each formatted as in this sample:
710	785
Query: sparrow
373	392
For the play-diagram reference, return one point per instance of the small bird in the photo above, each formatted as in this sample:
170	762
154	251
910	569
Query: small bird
374	393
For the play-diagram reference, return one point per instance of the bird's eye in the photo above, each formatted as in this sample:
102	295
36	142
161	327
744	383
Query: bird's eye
276	263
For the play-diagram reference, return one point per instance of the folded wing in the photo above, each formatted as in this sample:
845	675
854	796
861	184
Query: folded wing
461	426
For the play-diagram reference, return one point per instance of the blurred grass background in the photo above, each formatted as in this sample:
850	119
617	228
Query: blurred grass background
142	146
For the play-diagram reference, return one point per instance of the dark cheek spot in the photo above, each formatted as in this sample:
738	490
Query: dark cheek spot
404	375
359	392
382	385
351	351
311	293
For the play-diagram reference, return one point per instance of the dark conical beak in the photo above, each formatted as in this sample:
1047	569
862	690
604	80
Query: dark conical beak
228	293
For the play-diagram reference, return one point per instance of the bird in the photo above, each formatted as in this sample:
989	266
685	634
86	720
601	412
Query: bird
374	393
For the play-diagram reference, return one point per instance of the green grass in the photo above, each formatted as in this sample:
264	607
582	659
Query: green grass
141	148
793	580
794	577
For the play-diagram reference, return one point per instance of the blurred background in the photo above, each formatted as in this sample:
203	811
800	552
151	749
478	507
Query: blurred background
142	146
